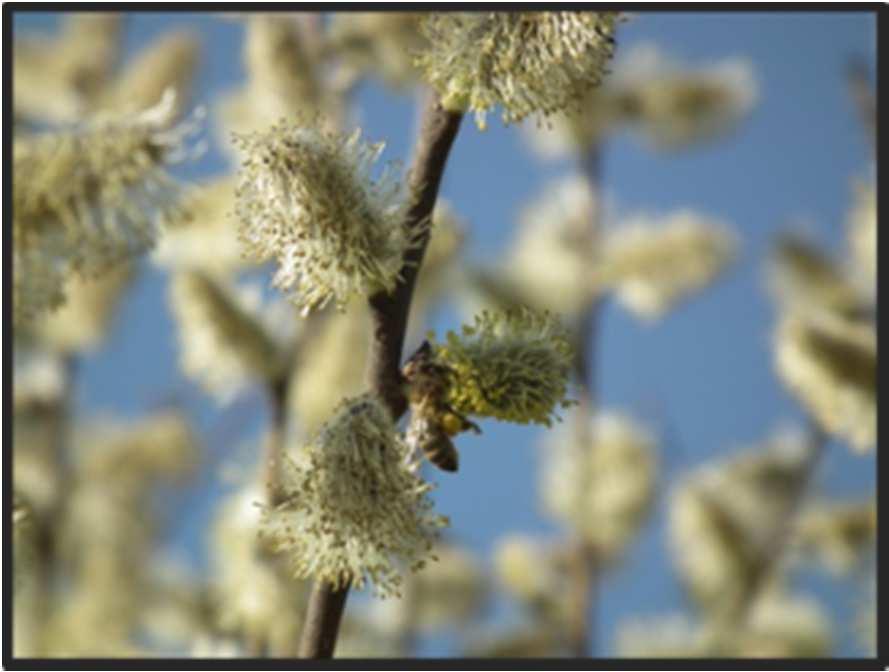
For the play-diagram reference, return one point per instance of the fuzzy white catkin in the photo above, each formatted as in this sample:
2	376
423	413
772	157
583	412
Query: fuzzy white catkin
674	105
722	517
81	324
510	365
284	80
227	337
447	592
168	62
839	533
86	200
208	239
522	566
322	375
549	258
779	626
354	510
862	232
803	278
830	365
601	489
60	79
255	593
525	62
653	263
306	199
379	43
670	104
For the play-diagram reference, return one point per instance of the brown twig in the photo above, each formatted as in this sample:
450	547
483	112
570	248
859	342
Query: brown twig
584	561
585	361
277	393
389	314
581	569
863	96
58	422
406	627
311	28
323	615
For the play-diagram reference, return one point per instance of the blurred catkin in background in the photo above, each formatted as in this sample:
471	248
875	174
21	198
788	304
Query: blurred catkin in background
266	255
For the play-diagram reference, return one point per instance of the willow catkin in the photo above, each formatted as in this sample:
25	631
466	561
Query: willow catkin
208	239
86	200
651	264
306	199
167	63
510	366
225	343
830	365
526	62
549	258
379	43
861	225
602	488
354	512
674	105
62	78
805	279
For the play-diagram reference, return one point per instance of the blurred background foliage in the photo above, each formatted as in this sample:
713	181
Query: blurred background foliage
721	505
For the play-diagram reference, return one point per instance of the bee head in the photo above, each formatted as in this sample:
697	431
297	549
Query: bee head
419	361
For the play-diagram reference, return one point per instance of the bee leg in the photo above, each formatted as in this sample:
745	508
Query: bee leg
468	425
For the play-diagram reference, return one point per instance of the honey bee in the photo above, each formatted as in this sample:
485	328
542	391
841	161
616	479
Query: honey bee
433	422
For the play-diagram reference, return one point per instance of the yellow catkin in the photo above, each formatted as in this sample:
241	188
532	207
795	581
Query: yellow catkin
510	366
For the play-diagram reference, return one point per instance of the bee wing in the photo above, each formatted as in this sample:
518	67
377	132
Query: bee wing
425	435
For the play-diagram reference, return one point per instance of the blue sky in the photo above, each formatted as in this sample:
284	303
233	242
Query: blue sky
705	372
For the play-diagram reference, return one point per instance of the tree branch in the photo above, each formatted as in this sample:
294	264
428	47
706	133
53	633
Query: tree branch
277	394
389	313
584	561
863	97
322	625
58	413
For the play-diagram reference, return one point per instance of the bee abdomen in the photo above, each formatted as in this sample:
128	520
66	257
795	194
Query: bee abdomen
442	453
430	438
